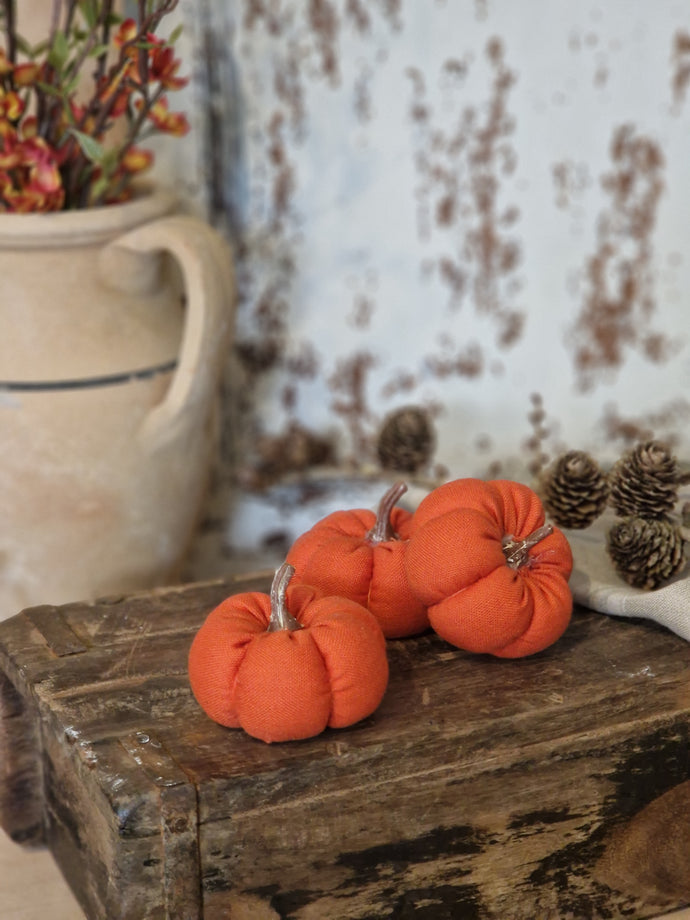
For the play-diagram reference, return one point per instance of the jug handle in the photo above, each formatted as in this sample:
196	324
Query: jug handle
209	284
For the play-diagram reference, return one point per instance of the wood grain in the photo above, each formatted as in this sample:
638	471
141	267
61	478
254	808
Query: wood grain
32	888
480	788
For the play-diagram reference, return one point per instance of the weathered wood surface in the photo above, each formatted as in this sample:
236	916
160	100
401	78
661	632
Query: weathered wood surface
480	788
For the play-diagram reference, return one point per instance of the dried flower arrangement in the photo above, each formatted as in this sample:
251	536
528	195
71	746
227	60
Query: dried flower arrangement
74	107
647	541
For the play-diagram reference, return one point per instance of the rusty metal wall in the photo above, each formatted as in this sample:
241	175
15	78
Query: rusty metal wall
476	206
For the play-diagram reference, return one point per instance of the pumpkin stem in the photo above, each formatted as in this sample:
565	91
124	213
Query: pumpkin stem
382	530
517	551
281	618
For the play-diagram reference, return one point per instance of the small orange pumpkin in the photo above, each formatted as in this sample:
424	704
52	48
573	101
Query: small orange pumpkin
492	573
284	667
360	555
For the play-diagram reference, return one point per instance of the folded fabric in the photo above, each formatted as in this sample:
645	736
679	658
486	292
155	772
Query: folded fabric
595	584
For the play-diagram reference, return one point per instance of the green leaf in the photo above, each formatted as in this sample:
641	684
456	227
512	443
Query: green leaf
49	89
70	87
109	162
98	50
89	10
59	51
100	187
175	34
40	48
24	46
91	148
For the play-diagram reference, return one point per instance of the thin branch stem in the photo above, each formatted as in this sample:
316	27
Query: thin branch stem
54	21
69	18
10	30
105	40
92	40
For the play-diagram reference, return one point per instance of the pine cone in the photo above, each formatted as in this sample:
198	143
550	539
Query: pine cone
574	490
646	552
406	440
644	482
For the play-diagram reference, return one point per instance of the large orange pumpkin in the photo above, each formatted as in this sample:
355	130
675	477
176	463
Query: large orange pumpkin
360	555
286	666
492	573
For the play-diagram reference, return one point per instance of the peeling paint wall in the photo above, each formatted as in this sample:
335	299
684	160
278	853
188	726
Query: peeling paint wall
478	207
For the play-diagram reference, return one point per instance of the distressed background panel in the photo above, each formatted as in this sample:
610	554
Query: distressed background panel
477	207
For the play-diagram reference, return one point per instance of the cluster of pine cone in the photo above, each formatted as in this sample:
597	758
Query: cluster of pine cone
646	544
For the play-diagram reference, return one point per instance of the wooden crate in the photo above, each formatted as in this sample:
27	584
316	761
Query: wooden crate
556	786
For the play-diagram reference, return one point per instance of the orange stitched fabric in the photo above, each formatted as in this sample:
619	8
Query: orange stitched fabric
456	564
288	684
337	557
469	493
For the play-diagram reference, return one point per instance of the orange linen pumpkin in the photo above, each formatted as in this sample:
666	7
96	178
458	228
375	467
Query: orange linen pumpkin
285	676
360	555
493	575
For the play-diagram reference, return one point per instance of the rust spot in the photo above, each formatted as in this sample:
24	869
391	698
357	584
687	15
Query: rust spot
390	10
304	362
323	20
537	450
357	13
571	180
362	311
257	11
601	76
461	171
402	382
618	300
362	102
663	424
283	180
511	328
287	82
454	276
294	450
468	362
680	61
349	386
446	211
455	68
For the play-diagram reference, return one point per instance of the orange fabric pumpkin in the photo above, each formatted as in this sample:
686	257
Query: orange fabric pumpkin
493	575
360	555
284	667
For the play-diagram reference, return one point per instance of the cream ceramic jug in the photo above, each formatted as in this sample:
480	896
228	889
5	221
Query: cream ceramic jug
115	324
